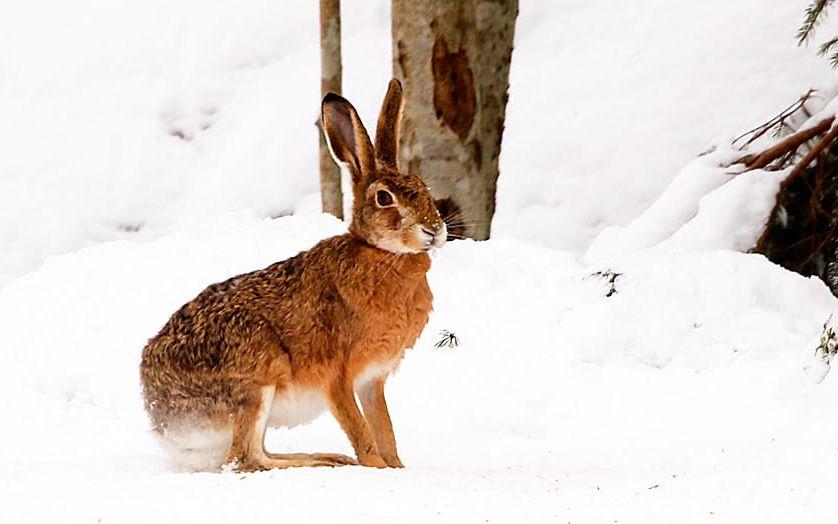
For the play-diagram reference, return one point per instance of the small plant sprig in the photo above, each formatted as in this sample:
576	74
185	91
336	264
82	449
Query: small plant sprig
828	346
448	339
825	351
610	277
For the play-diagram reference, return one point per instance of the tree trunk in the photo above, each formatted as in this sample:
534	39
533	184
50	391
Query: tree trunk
330	80
453	59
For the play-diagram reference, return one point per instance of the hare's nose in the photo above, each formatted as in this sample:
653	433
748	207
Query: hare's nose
437	233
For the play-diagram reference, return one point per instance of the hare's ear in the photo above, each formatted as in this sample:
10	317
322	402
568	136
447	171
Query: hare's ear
348	141
389	126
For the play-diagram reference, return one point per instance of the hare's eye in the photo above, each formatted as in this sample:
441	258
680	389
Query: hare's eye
383	198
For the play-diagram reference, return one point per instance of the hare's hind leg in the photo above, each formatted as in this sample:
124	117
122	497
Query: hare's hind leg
247	451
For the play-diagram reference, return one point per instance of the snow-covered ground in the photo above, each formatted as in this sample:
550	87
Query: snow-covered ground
621	359
680	397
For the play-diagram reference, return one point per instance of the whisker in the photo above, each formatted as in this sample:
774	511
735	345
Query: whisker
466	224
462	220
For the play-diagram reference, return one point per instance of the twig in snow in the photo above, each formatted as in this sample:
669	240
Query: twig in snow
448	340
778	122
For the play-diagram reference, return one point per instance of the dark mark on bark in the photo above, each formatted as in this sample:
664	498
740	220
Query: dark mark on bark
455	101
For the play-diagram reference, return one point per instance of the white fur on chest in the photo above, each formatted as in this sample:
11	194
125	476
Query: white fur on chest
375	370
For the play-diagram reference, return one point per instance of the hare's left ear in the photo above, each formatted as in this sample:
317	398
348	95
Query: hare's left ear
389	126
347	139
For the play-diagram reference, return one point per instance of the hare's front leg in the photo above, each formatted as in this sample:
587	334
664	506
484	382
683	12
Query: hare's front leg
375	410
342	403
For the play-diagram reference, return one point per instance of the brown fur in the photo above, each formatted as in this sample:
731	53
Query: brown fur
314	321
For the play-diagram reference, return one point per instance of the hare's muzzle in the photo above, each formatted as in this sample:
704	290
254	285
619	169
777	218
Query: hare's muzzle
433	236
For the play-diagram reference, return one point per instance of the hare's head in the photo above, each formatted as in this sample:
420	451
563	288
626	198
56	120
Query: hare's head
392	210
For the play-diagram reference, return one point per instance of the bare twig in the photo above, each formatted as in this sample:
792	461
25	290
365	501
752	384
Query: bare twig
789	145
778	122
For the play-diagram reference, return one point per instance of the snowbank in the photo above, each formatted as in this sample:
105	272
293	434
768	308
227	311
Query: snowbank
709	205
714	203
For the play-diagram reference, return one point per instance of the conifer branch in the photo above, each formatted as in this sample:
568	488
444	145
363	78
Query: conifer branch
811	19
828	46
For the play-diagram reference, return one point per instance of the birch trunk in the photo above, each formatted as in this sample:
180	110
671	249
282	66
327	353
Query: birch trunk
453	58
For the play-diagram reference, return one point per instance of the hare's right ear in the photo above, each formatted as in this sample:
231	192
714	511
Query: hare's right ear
348	140
389	126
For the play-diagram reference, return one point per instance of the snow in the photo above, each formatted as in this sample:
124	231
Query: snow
127	120
710	204
610	99
621	357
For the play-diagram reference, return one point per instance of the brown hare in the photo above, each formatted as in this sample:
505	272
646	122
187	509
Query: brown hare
277	346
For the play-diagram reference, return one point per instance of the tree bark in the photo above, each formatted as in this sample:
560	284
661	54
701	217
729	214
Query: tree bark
453	59
330	80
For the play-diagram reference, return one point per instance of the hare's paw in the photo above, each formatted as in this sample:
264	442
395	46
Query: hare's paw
393	461
315	459
372	460
335	459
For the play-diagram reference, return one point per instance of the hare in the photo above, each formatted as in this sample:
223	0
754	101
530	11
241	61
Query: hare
277	346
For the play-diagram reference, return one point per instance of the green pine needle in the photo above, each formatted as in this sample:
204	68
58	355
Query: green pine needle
811	18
